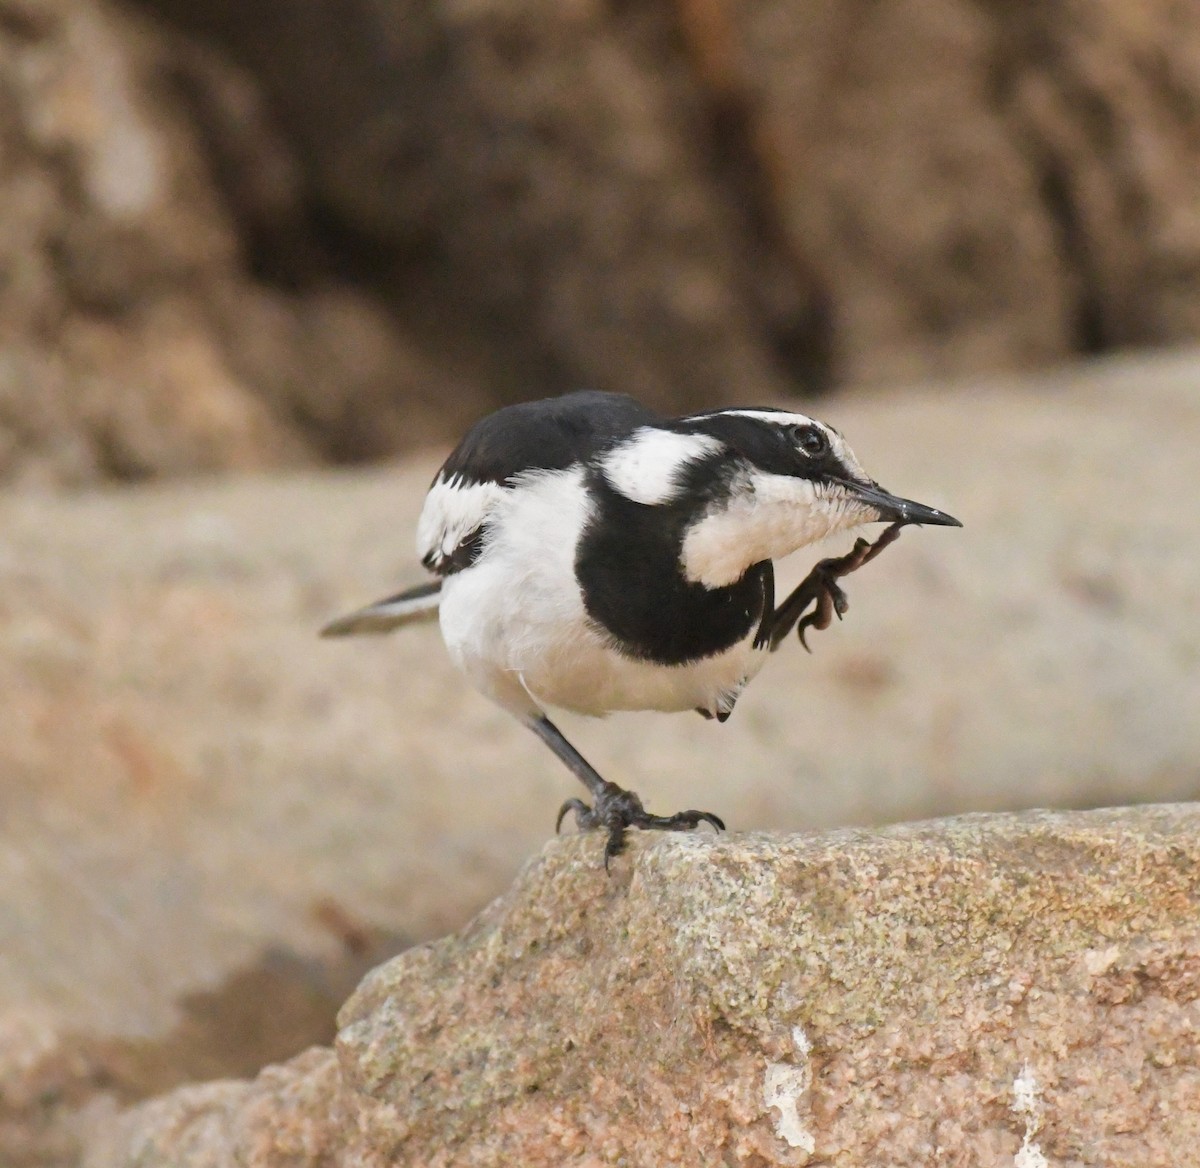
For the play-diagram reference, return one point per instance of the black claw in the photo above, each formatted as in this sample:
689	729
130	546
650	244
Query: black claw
682	820
583	813
822	614
617	810
614	845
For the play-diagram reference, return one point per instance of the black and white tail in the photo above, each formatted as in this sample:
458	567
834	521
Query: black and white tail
405	608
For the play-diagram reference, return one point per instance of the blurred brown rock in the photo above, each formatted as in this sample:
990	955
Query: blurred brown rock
698	199
244	234
986	991
539	174
134	340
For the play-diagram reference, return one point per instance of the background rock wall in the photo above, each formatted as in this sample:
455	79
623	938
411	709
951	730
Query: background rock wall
251	234
136	338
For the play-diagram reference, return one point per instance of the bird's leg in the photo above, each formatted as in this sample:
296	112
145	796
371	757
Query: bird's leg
820	587
613	807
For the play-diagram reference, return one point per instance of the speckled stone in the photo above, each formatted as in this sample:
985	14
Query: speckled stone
982	991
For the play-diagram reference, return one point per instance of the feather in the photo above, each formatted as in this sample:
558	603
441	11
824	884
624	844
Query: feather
405	608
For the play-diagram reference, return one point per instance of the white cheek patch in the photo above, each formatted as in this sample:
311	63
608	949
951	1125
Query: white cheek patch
647	468
453	510
766	518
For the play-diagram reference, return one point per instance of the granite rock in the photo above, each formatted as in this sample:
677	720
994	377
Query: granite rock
986	991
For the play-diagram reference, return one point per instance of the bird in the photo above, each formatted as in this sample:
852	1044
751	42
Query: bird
590	555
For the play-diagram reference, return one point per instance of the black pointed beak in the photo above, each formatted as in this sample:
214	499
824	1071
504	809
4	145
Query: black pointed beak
893	509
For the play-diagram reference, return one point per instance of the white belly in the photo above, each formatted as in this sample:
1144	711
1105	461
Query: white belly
514	622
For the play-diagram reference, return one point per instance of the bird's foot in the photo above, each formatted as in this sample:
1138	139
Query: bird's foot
831	600
616	810
822	582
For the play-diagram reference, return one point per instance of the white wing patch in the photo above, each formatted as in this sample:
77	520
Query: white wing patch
646	467
453	511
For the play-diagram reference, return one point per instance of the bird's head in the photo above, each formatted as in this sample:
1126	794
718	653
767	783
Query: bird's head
791	480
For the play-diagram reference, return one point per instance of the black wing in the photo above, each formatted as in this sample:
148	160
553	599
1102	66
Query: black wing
543	435
551	434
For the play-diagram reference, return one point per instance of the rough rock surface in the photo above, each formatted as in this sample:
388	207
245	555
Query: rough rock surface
987	991
213	822
686	196
246	234
134	339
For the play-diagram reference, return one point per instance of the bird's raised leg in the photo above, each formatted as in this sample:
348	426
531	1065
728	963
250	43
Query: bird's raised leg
613	808
820	587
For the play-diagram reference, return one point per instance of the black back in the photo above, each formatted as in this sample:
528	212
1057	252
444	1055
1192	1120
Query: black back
551	434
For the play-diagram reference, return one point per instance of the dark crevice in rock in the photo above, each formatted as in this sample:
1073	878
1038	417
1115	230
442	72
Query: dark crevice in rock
1089	328
290	237
796	310
1052	174
1068	126
117	459
363	194
793	304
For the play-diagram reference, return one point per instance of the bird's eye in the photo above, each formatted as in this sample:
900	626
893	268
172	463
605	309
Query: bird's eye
811	440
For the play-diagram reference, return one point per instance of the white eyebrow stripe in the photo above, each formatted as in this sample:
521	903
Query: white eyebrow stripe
646	467
773	417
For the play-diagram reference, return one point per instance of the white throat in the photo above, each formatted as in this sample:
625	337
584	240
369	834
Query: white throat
767	517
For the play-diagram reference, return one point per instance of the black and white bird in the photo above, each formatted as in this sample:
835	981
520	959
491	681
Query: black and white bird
593	556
